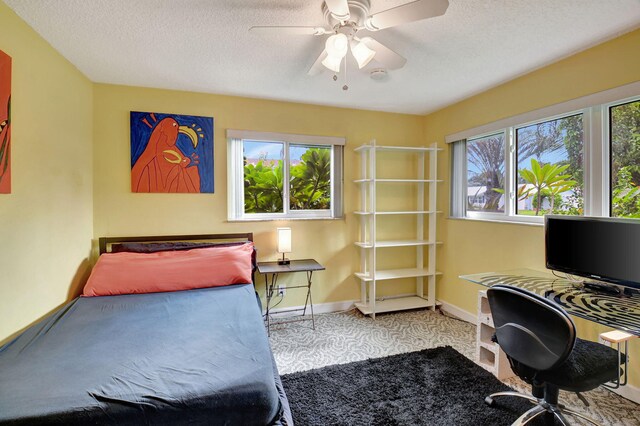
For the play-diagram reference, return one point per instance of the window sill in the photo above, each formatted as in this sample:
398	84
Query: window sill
509	222
284	219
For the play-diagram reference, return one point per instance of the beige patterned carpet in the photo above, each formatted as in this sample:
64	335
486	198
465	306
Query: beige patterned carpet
349	336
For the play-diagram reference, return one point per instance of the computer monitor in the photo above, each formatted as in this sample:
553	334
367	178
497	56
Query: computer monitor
596	248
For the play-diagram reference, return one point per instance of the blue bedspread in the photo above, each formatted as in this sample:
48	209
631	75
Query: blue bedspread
187	357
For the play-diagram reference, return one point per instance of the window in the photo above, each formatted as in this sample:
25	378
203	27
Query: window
577	158
263	176
310	177
550	177
485	173
278	176
624	135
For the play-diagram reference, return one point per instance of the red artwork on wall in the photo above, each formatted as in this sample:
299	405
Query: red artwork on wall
5	123
171	153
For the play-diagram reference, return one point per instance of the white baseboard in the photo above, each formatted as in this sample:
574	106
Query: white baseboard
318	308
459	313
629	392
325	308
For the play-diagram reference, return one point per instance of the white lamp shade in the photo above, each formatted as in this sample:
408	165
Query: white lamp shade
284	240
337	45
332	62
362	53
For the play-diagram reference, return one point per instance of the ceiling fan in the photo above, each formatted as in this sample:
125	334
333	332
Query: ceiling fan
346	19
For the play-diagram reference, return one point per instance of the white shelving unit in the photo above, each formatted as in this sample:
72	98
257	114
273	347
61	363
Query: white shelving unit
488	353
424	160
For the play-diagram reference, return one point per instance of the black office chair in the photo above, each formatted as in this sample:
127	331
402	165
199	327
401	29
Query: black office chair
539	339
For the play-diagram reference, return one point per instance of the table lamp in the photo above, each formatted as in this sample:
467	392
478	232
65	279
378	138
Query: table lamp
284	244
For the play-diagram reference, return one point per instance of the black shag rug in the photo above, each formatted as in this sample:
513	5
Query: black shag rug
431	387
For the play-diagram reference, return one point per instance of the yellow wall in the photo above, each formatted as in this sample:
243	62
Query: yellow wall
119	212
46	223
473	246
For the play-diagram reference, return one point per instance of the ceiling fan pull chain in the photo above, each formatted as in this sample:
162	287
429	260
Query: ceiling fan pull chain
345	87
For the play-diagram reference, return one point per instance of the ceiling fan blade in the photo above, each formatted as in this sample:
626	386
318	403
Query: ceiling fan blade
339	9
317	66
385	56
410	12
289	30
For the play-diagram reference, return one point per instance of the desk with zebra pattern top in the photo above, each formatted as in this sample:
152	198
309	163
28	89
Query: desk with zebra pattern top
622	313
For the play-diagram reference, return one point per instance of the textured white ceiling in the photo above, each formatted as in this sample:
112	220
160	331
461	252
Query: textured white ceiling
205	46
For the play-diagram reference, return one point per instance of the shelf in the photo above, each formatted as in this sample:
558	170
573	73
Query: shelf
486	319
390	274
490	346
487	360
399	180
398	243
398	212
397	148
395	304
486	334
419	167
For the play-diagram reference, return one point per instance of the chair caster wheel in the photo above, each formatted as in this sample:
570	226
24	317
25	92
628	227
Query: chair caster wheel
489	401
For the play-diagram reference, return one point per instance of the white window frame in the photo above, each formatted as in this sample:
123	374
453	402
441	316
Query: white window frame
514	160
235	190
490	215
596	151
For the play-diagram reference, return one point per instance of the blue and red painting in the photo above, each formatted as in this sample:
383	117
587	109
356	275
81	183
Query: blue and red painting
171	153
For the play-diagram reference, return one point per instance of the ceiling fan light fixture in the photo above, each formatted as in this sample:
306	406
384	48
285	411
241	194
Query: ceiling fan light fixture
332	62
362	53
337	45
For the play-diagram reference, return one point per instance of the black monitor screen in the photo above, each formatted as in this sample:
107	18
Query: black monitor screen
600	248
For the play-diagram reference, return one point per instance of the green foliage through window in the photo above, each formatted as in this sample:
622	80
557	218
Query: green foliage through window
263	187
311	181
309	178
550	167
625	159
546	181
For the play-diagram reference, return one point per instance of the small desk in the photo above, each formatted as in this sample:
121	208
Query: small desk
305	265
622	313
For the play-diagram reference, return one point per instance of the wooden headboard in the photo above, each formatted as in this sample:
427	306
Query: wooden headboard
106	242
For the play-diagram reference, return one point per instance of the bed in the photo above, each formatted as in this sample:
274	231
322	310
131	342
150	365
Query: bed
190	356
